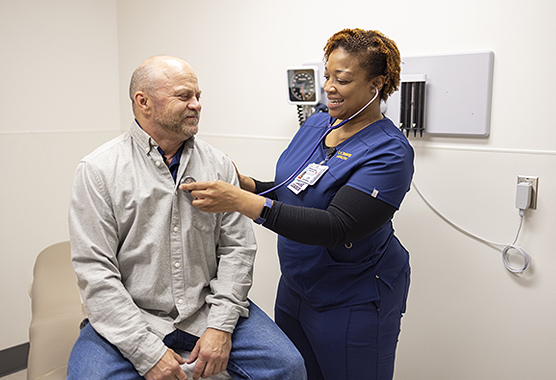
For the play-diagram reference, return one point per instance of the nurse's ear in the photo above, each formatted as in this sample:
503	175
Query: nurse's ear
377	83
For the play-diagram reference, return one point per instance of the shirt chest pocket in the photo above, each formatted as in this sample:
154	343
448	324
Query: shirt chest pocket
203	221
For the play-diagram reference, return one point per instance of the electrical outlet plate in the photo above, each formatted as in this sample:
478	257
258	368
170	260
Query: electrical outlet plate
534	181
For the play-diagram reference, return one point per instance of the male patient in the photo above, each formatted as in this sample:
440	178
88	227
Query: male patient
157	276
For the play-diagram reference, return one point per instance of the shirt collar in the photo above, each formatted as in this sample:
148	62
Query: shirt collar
145	141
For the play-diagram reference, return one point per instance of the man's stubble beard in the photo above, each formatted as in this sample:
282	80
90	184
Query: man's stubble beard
181	124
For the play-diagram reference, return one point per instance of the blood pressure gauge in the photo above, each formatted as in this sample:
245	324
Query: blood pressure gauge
303	84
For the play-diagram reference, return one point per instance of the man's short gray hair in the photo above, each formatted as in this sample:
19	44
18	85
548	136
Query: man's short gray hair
143	79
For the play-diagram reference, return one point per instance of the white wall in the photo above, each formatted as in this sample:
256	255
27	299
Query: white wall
468	318
59	97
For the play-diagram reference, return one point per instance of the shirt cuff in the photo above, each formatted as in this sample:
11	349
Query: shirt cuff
224	318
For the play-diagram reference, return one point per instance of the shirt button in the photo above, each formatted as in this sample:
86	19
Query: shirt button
176	229
177	265
180	301
157	163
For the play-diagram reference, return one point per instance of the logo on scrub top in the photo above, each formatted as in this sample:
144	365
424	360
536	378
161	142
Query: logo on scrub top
343	155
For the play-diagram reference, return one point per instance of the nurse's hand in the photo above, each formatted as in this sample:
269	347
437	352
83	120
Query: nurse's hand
220	196
245	182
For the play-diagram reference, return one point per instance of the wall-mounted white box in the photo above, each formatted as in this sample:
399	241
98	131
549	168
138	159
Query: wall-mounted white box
458	93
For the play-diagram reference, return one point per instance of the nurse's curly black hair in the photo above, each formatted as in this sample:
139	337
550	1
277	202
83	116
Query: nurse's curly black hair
378	55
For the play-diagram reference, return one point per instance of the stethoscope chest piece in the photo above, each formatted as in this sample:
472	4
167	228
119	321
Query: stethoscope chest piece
186	180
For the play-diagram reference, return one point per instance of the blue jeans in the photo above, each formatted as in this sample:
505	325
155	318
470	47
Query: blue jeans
260	350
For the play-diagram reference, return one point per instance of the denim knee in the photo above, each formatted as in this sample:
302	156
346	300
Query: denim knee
293	366
261	350
94	358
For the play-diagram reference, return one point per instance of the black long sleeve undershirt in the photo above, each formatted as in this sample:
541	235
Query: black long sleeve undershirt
264	186
352	215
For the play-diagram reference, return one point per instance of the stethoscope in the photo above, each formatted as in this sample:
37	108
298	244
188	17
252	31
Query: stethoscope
328	129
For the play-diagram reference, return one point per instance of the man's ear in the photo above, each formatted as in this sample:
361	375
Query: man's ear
142	102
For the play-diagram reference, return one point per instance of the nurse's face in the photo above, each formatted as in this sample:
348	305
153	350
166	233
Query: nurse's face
346	84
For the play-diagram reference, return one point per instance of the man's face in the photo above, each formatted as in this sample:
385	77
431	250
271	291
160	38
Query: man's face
176	101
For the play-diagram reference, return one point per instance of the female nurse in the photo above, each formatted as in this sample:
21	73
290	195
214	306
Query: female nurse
345	275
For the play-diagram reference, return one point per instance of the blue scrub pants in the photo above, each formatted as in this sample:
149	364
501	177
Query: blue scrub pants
345	343
260	350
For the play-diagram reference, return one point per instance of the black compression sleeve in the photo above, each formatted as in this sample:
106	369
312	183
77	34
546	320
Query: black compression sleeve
352	215
263	186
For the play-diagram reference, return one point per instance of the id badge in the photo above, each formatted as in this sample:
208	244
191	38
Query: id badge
312	173
308	177
297	186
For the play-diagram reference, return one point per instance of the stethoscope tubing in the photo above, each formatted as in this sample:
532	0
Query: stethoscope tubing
328	129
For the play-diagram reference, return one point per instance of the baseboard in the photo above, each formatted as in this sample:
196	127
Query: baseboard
13	359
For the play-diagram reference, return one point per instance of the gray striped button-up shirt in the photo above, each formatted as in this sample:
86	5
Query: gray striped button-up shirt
146	260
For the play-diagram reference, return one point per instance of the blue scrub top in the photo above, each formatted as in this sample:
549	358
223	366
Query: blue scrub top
378	160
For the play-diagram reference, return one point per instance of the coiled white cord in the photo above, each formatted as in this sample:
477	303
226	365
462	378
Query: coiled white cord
507	247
